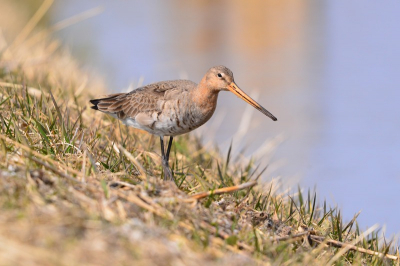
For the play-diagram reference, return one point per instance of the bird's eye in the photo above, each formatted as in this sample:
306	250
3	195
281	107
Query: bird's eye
219	75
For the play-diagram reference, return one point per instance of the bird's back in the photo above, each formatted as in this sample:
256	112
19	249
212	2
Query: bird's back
142	99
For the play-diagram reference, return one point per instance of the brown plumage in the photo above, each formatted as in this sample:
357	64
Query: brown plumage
171	108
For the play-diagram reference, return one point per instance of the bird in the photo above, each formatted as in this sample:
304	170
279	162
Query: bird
174	107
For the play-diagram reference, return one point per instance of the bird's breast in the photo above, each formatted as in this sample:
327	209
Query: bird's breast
181	115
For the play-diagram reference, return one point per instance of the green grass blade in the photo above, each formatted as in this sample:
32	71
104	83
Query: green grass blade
5	100
60	117
228	158
220	175
313	209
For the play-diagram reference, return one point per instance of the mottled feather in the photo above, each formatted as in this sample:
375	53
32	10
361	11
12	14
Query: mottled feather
142	103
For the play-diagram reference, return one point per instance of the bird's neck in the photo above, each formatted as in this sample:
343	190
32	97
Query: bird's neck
204	100
203	95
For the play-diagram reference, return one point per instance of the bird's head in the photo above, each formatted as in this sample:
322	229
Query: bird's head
220	78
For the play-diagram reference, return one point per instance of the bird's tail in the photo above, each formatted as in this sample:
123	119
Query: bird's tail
108	99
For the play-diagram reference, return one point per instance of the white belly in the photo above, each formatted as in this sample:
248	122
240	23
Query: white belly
159	128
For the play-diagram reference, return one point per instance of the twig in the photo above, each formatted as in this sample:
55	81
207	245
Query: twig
223	190
299	235
122	183
335	243
338	244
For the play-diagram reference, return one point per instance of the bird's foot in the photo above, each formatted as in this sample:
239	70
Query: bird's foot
167	172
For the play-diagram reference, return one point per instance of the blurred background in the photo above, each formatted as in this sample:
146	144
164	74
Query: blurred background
328	70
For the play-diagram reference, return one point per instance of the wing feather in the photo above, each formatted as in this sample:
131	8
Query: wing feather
142	100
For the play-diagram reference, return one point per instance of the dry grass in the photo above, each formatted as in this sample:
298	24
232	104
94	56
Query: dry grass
77	188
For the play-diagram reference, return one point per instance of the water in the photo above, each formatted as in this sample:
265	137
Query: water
327	69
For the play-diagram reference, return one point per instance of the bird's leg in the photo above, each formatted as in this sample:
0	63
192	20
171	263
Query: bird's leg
162	148
169	147
165	158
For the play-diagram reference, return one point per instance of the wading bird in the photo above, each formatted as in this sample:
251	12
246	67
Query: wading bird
175	107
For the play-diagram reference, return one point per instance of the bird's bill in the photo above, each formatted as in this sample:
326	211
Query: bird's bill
235	89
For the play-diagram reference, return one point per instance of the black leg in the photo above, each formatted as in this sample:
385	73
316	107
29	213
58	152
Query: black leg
162	147
165	158
169	147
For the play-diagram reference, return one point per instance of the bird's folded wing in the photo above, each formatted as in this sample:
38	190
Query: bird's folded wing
144	100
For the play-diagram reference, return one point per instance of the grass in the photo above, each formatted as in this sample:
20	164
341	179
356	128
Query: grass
78	188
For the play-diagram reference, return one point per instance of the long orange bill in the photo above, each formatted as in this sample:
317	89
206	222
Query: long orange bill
235	89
